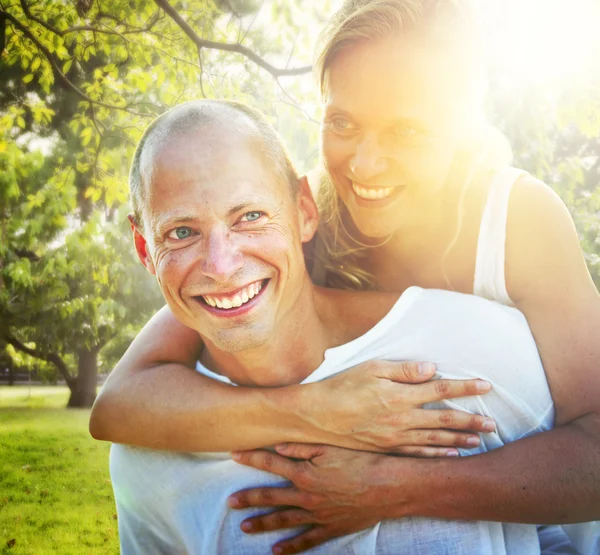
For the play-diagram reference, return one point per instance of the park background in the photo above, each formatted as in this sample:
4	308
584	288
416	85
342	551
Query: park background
79	82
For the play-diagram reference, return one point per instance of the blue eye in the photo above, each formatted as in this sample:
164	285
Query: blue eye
251	216
181	233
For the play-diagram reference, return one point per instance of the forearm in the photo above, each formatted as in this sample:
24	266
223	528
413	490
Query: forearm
552	477
175	408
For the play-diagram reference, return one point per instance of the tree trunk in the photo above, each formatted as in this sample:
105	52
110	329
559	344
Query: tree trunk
83	391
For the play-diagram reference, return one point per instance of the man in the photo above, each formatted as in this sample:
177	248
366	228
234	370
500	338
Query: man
221	225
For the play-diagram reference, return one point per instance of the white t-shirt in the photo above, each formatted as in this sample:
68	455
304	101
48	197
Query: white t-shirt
176	503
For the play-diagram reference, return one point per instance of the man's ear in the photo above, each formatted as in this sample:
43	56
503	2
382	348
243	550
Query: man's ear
307	211
141	246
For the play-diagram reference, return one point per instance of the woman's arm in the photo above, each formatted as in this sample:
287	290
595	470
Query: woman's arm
154	398
552	477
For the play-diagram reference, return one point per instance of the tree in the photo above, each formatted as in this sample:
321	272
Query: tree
82	81
79	82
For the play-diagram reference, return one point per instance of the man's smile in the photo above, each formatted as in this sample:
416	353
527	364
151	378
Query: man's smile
233	303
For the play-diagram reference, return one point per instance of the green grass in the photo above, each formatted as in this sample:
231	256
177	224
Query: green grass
55	492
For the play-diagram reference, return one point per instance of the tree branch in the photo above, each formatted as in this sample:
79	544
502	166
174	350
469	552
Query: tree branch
60	76
52	358
228	47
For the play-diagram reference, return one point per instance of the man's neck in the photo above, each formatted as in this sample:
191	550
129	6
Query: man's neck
294	351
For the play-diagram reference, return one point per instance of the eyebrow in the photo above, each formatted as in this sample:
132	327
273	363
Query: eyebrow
183	216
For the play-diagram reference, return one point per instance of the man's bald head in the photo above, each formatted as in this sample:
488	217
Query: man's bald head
221	116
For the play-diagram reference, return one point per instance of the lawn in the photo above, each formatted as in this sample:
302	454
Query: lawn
55	493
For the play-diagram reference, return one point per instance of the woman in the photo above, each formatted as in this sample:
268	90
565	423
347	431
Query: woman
415	175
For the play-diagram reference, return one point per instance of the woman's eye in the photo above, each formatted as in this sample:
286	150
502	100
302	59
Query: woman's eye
341	124
405	132
251	216
181	233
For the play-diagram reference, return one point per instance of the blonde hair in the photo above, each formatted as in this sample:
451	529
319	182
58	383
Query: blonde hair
367	20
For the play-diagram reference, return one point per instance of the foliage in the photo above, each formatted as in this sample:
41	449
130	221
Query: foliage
79	84
555	135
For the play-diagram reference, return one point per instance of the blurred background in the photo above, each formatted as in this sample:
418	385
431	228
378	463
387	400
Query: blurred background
79	82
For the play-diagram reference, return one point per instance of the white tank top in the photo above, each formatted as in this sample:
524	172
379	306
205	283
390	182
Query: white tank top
490	282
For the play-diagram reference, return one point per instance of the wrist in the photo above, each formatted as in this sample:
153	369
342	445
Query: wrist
292	407
408	485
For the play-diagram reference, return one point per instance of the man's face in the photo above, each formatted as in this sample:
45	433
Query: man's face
223	235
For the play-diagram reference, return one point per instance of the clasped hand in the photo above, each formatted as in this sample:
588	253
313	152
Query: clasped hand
371	409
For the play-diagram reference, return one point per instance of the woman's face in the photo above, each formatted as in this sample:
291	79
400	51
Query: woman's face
395	113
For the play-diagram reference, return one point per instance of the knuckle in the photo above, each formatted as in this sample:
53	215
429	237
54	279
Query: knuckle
268	461
279	520
302	478
442	387
265	496
446	419
303	542
307	500
433	438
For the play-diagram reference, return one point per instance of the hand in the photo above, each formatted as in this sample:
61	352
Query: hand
337	491
377	406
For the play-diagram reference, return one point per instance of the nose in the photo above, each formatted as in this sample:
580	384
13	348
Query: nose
221	257
369	159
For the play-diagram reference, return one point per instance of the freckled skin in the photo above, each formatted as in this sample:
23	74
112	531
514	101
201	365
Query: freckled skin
387	125
240	224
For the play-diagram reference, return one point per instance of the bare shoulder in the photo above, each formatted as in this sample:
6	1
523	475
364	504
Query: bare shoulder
543	255
353	312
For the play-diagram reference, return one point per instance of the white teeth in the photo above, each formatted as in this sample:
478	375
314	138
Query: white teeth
371	193
240	298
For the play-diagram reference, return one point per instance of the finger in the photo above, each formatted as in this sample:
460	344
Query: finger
438	390
266	460
444	421
307	540
404	371
288	518
425	452
267	497
305	451
440	438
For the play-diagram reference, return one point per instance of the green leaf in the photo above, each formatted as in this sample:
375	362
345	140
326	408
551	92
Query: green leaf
28	78
67	65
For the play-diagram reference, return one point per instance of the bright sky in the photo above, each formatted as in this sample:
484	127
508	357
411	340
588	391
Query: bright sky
545	41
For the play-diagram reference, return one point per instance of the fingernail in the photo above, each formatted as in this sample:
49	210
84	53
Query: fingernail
247	526
281	447
473	441
488	425
233	502
236	456
425	368
482	385
452	453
